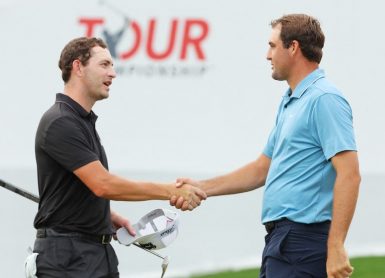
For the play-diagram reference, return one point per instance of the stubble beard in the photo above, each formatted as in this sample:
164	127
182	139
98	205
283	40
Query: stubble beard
279	76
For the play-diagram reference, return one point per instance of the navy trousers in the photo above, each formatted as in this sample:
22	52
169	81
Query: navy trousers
295	250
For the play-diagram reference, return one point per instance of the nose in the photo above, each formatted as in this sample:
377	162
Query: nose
268	55
112	73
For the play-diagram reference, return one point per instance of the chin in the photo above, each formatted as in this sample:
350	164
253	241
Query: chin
277	77
106	94
103	96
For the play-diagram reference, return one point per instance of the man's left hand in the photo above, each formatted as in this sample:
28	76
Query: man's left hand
119	221
338	264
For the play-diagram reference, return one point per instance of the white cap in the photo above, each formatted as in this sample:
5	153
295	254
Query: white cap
156	230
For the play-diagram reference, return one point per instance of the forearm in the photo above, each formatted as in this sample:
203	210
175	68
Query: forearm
247	178
117	188
115	217
344	203
106	185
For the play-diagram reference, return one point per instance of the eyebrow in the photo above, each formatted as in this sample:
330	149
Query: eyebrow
107	61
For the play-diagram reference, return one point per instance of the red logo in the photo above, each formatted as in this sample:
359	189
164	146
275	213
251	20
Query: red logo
193	33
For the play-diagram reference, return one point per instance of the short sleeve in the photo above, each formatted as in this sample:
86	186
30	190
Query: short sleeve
333	125
269	148
66	142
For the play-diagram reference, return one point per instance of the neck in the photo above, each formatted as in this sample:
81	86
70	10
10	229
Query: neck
299	72
76	92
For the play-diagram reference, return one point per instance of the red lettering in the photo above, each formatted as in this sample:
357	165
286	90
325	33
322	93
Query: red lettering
136	44
150	41
90	24
195	42
195	32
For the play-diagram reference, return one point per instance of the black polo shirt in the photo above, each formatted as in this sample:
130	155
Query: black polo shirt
66	139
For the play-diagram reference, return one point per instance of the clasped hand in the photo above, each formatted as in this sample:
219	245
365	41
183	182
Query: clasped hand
193	197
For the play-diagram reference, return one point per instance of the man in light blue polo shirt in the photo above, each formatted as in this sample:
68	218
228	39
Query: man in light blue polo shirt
309	166
307	134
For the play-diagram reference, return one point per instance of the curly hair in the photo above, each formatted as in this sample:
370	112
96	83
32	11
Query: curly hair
304	29
77	49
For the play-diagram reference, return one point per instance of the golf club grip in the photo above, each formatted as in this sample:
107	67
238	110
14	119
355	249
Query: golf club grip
19	191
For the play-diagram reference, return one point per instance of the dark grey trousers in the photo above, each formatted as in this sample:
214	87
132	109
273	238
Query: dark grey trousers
64	257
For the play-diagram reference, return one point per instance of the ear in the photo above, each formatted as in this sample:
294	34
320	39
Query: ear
294	47
77	67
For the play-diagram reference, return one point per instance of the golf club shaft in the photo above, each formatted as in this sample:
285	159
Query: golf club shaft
19	191
35	198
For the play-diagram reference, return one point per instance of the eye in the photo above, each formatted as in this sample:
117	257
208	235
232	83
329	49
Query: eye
105	63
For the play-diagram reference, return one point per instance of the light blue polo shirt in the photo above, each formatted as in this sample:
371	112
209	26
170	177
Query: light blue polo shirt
313	124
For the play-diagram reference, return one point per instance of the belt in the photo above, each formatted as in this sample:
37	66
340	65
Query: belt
320	226
48	232
269	226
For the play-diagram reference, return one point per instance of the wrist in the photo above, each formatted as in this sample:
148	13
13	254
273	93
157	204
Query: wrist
170	190
335	243
206	186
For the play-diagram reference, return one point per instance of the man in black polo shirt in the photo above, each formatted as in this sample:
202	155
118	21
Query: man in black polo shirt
74	222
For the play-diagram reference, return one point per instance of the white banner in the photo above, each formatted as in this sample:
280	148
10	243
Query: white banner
194	96
194	90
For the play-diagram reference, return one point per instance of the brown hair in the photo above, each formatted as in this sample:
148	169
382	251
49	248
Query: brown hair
304	29
79	48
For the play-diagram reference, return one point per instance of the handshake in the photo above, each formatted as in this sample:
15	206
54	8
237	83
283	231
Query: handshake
187	194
